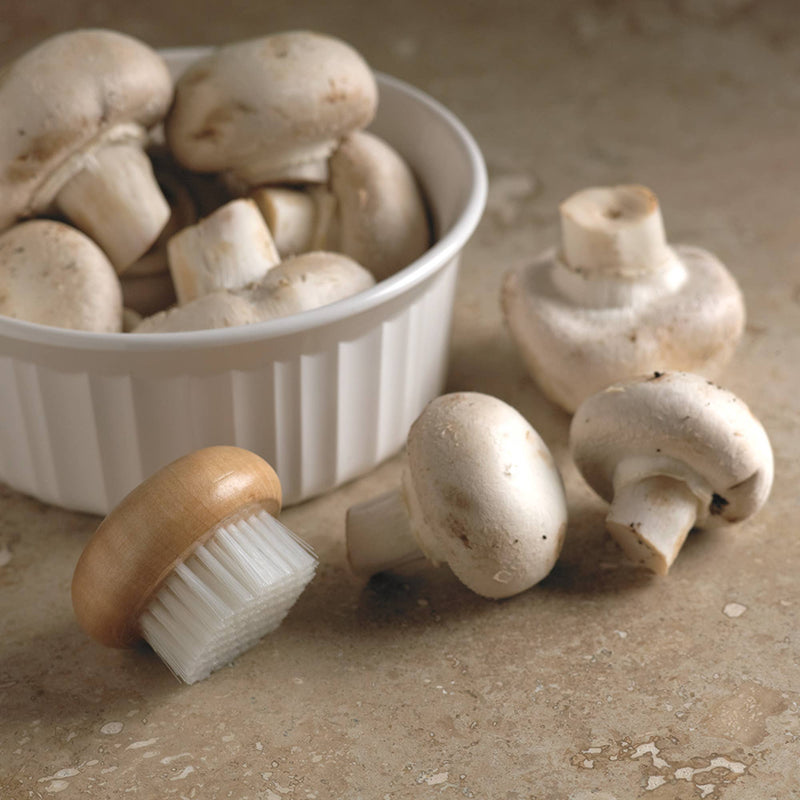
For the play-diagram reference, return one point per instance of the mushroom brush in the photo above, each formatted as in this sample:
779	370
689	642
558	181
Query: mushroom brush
480	492
194	562
670	451
617	300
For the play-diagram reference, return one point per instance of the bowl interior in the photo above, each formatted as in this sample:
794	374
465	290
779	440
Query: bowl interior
446	161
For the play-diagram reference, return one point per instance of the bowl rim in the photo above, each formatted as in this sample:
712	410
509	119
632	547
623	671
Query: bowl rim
440	253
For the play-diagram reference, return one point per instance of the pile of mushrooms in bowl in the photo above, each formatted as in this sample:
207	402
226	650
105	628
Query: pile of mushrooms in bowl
286	277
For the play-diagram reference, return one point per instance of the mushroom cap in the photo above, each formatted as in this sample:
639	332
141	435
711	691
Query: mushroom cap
484	494
383	221
683	425
308	281
689	318
220	309
269	103
300	283
59	97
53	274
156	527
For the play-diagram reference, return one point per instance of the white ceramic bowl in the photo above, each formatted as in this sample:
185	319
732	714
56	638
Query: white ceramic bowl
323	396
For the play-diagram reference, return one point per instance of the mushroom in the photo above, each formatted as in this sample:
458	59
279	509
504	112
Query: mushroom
75	113
298	284
229	249
53	274
618	300
194	562
148	294
480	492
183	212
299	219
382	218
670	452
270	109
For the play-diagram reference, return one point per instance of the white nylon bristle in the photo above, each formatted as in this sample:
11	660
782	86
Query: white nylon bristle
226	595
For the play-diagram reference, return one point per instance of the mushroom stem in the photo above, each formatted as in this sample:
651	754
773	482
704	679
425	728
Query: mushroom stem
379	535
115	199
229	249
613	231
299	219
650	519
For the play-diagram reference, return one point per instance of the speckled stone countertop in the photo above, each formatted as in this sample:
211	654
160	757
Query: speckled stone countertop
601	683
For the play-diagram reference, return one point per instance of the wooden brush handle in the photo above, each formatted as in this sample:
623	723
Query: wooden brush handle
157	526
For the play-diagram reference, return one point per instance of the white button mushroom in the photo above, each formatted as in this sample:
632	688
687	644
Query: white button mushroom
372	209
480	492
271	109
617	300
382	218
229	249
53	274
298	284
75	113
670	452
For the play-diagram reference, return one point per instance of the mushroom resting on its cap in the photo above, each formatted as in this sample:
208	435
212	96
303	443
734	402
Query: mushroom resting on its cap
53	274
75	113
270	109
480	492
670	452
617	300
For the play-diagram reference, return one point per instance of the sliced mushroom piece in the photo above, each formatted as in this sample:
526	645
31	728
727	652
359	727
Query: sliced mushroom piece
76	109
617	300
298	284
53	274
271	109
670	451
480	492
382	217
229	249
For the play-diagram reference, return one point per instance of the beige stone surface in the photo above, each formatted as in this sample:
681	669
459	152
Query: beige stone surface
601	683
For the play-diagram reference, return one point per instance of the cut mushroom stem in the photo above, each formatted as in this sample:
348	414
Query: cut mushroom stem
615	230
229	249
651	518
669	452
396	546
115	199
300	220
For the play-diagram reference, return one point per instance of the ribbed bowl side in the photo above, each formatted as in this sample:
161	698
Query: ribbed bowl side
323	417
85	418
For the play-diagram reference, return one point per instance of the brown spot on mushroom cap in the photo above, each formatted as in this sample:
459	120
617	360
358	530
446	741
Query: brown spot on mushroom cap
25	166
